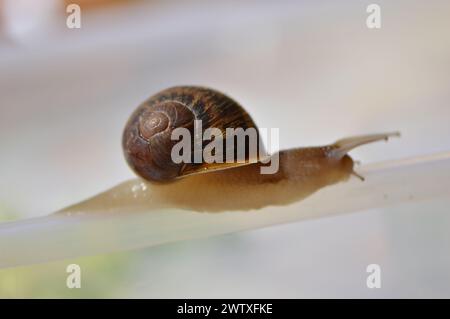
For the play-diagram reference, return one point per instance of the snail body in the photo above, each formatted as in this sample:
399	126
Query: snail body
225	186
301	173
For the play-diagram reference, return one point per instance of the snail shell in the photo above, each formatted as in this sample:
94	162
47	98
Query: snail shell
147	142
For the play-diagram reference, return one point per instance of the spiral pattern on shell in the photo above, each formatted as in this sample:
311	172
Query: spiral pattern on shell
147	142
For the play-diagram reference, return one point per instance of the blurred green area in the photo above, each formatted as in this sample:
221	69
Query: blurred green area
7	212
101	277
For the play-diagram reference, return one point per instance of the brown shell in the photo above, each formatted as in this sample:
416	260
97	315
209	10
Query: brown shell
147	142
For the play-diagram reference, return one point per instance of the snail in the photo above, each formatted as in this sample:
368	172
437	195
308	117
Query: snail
147	144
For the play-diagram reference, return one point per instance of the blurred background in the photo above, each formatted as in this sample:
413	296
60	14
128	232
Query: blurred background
311	68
